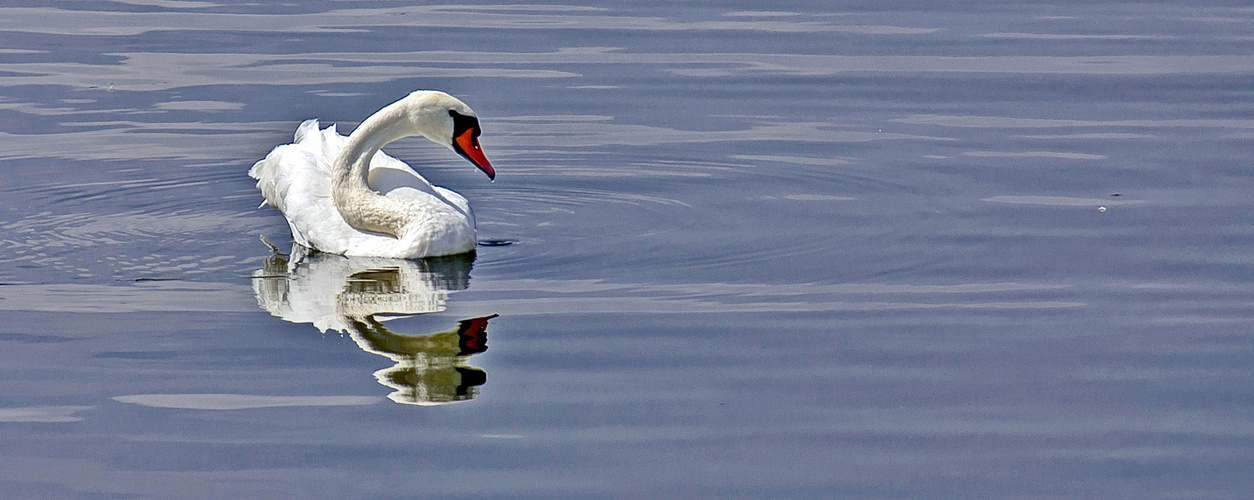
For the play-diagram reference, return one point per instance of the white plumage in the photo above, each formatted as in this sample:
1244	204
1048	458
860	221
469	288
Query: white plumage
324	180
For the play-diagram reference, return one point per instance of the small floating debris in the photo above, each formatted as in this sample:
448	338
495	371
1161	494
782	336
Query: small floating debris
496	243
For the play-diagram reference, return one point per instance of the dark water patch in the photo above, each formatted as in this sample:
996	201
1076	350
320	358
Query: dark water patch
34	338
136	355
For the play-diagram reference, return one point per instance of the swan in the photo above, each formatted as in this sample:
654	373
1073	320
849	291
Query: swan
342	195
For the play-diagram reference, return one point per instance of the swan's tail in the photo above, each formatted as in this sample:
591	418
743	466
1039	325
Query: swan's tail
272	178
296	178
306	127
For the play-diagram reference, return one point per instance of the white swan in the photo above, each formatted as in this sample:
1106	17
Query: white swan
344	196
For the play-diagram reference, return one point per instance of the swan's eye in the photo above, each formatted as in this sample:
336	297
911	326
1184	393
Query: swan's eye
463	123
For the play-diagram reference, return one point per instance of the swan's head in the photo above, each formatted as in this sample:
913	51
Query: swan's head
445	120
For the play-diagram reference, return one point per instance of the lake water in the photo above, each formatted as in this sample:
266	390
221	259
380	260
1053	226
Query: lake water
946	250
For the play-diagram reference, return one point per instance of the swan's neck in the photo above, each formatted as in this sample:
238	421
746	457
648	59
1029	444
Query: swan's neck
360	206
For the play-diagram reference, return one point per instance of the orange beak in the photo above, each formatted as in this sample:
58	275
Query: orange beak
468	146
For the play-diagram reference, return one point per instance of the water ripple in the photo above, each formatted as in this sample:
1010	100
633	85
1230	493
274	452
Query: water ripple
241	401
547	17
123	245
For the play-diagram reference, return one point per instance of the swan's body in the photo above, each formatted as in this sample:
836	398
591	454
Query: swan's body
343	195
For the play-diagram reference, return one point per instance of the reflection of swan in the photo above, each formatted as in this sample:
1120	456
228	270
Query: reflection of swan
344	196
357	294
430	369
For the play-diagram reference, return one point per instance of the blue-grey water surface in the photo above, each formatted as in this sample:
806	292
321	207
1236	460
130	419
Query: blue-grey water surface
927	250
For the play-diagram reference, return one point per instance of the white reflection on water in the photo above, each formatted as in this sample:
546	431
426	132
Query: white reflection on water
1061	201
1034	154
331	291
355	295
43	414
240	401
207	106
591	131
1017	122
121	140
1101	136
1056	36
171	4
799	160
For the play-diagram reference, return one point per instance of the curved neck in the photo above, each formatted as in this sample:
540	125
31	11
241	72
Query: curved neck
360	206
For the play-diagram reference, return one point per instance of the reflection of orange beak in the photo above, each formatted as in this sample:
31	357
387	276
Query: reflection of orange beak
468	145
472	335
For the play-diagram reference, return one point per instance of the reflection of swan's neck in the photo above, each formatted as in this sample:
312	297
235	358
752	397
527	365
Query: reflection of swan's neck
360	206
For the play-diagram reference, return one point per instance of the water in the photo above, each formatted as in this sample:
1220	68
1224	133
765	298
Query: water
822	250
